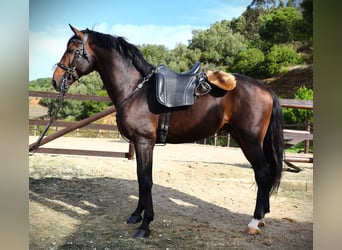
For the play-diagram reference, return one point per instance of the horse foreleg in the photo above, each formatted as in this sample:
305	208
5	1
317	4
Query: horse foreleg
144	151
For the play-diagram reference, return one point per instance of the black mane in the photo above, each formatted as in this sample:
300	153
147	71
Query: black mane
124	48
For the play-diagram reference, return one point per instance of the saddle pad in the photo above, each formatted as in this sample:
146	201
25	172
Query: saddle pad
173	89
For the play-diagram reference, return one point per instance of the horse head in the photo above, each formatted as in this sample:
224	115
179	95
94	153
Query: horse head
75	62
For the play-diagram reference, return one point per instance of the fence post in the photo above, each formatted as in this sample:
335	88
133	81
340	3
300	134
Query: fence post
131	151
228	140
35	130
307	142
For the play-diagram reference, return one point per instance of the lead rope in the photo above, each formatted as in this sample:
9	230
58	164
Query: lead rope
33	148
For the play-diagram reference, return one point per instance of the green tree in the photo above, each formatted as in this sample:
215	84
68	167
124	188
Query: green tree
278	57
41	84
291	3
248	25
239	25
182	58
74	109
155	54
218	44
264	4
280	25
248	62
271	4
305	28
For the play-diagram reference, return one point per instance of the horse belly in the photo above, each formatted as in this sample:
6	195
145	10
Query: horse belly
190	126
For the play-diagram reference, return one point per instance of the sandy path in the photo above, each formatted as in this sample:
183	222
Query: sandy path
206	190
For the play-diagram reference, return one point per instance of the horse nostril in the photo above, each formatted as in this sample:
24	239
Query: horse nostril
54	84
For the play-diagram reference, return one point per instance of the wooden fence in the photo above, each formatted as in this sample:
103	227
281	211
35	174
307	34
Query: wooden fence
71	126
291	136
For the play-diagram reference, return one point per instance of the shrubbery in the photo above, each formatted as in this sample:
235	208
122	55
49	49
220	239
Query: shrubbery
249	62
252	62
278	57
299	116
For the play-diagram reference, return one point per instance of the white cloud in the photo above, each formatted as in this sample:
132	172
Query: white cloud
46	48
169	36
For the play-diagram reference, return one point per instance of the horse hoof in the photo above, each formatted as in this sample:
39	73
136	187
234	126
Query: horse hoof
142	233
261	223
134	219
252	231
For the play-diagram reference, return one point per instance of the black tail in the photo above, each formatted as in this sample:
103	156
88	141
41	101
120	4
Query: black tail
274	143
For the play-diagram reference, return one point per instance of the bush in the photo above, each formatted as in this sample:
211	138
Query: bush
278	57
299	116
248	62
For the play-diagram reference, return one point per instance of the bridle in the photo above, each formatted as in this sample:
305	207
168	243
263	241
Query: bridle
70	71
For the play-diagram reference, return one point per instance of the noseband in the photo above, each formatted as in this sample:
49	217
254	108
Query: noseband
70	71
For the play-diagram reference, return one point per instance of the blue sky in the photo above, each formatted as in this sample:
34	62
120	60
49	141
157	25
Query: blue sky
140	21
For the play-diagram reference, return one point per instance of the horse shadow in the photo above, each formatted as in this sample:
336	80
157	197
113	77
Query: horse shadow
89	213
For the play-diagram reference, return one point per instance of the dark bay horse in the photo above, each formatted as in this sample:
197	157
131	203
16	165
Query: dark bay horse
250	112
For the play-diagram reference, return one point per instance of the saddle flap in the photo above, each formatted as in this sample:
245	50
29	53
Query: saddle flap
176	89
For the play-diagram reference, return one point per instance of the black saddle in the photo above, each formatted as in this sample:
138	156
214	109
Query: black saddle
177	89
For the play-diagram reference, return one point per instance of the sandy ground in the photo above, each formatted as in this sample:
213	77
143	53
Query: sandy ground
204	196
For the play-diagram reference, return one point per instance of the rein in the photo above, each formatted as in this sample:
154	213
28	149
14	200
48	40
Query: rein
137	88
70	74
35	146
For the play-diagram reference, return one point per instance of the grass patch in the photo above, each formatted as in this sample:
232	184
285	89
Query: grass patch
300	148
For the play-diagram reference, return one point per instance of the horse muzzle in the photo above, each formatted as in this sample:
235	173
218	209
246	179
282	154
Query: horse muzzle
54	84
62	85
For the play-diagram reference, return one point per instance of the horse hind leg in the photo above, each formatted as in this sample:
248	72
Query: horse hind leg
254	153
264	180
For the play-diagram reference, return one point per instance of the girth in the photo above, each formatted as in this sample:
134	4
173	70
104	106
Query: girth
164	126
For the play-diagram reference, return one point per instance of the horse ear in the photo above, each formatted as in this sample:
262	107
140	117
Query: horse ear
76	31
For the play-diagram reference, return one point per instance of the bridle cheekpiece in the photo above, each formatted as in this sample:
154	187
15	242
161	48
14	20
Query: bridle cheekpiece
70	71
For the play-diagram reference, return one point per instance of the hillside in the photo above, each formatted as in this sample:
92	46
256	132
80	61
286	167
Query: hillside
285	86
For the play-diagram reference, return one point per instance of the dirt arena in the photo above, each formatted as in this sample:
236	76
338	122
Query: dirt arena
204	196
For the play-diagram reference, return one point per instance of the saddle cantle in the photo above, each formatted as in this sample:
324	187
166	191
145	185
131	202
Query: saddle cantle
177	89
221	79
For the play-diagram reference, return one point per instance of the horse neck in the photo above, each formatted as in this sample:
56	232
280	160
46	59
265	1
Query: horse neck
118	76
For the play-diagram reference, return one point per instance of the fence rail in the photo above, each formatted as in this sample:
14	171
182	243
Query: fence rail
291	136
298	104
71	126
